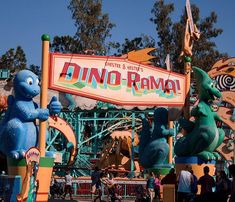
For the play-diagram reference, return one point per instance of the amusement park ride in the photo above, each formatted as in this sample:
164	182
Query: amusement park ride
119	113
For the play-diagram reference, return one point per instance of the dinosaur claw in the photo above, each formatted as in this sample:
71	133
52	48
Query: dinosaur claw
14	155
17	154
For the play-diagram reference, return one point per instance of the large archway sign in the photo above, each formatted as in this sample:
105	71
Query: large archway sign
116	80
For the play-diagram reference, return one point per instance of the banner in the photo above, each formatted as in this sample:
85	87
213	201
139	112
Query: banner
115	80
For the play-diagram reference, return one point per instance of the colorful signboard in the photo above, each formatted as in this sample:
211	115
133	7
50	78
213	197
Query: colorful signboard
116	80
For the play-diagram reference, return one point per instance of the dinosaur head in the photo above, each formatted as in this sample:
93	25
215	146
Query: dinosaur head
205	85
26	84
161	116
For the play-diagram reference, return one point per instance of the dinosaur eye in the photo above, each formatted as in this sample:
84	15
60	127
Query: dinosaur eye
37	81
213	84
29	81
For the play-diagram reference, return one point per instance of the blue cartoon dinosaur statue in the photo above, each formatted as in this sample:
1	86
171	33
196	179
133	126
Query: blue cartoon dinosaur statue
153	147
202	136
18	130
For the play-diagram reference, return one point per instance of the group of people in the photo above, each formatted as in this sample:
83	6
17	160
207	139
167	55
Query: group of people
60	190
154	183
218	188
99	180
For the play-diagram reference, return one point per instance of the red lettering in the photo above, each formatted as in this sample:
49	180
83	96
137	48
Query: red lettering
114	81
132	79
74	76
159	84
178	84
170	85
84	74
144	83
95	74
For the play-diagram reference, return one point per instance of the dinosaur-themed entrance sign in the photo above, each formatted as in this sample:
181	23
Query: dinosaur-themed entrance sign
116	80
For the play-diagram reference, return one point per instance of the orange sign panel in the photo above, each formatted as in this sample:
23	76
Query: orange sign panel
116	80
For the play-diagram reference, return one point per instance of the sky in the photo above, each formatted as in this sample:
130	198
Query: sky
22	23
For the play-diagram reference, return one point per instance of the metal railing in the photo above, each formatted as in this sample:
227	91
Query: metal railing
127	187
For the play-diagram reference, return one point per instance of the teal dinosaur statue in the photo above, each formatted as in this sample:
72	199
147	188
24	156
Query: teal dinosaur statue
202	136
153	146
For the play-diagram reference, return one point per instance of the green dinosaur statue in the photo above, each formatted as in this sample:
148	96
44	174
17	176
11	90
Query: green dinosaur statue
202	136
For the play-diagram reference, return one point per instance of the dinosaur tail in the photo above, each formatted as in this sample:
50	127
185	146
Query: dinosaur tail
180	147
145	134
153	154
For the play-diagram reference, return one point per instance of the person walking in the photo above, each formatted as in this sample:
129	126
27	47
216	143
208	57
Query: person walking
139	192
185	181
96	183
68	185
109	184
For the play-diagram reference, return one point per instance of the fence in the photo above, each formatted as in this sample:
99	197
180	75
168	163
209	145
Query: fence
127	187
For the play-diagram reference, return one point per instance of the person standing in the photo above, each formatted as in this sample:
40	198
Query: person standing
150	186
194	188
223	186
170	178
231	169
185	181
157	186
68	185
207	182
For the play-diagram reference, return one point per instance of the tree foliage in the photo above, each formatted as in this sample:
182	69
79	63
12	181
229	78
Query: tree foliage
143	41
171	35
14	60
35	69
93	28
65	44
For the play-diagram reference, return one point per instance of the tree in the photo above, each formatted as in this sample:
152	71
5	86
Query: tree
65	44
13	60
35	69
171	36
137	43
19	59
93	28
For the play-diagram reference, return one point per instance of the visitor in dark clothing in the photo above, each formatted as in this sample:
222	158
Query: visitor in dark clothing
207	182
223	186
170	178
96	183
231	169
194	188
